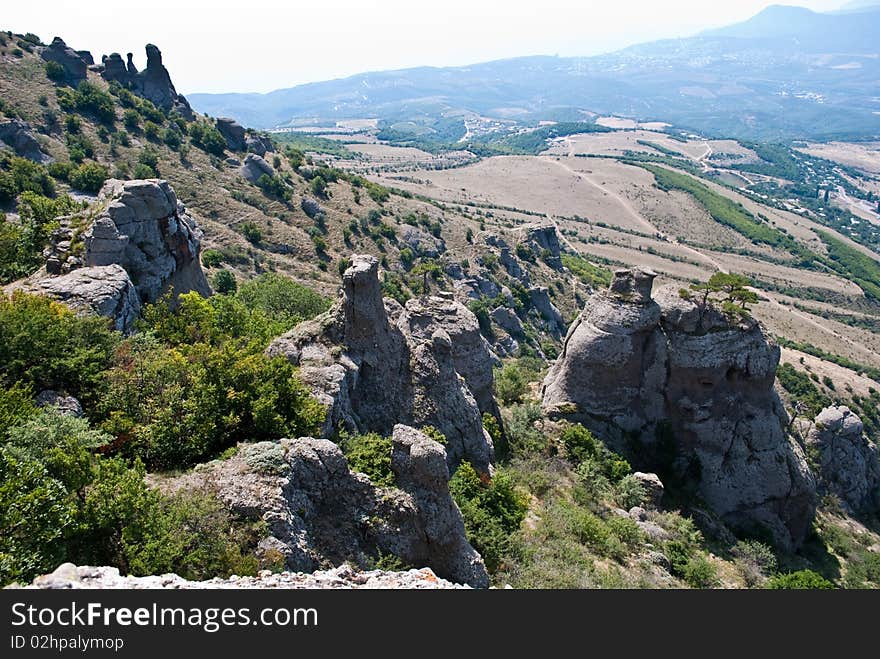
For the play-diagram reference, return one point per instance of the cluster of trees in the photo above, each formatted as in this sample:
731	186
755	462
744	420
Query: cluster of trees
191	382
735	294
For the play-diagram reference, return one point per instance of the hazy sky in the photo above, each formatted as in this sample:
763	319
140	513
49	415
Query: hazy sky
260	45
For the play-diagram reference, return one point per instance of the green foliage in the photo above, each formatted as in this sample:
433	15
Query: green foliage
224	282
55	72
45	345
582	446
282	299
35	513
273	186
493	510
853	264
16	406
723	210
251	232
212	258
200	382
592	275
511	384
131	119
299	143
802	390
318	186
89	98
800	580
206	136
191	534
88	177
19	175
369	454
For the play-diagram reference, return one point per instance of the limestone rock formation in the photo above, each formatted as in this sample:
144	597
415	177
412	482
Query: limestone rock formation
153	83
544	240
421	242
677	378
848	462
254	167
553	321
233	132
141	244
18	136
104	290
70	576
258	143
319	513
375	364
146	230
74	65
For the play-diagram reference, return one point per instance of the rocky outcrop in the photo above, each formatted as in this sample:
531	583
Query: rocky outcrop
75	66
64	405
319	513
105	291
258	143
544	241
847	461
18	136
375	363
153	83
421	242
141	244
693	389
69	576
552	318
146	230
233	132
254	167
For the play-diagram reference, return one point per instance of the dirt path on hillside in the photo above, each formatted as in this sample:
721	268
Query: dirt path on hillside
633	213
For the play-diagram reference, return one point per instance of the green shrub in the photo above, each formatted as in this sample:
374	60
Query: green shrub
282	298
131	119
800	580
493	511
212	258
369	454
55	72
265	457
88	177
16	406
224	282
206	136
511	384
251	232
45	345
700	572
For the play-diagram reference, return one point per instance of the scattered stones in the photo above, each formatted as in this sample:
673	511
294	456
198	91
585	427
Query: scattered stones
70	576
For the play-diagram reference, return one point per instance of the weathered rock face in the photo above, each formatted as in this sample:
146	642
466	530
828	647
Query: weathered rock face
153	83
254	167
65	405
421	242
18	136
542	238
141	244
146	230
848	463
259	144
375	363
74	65
233	132
553	321
70	576
105	291
668	371
319	513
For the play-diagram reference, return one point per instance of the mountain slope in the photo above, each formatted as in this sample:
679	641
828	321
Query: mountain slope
786	73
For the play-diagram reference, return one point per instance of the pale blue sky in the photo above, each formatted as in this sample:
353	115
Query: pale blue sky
260	45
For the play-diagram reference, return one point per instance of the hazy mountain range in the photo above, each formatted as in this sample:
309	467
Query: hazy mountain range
785	73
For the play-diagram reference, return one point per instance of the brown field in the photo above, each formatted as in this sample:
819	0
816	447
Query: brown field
863	156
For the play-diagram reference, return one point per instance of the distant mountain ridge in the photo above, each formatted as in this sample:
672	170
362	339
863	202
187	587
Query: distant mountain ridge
786	73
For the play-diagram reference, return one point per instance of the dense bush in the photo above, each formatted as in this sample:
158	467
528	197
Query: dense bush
206	136
493	510
511	384
224	282
282	299
582	447
19	175
88	177
199	382
55	72
369	454
800	580
88	98
44	345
